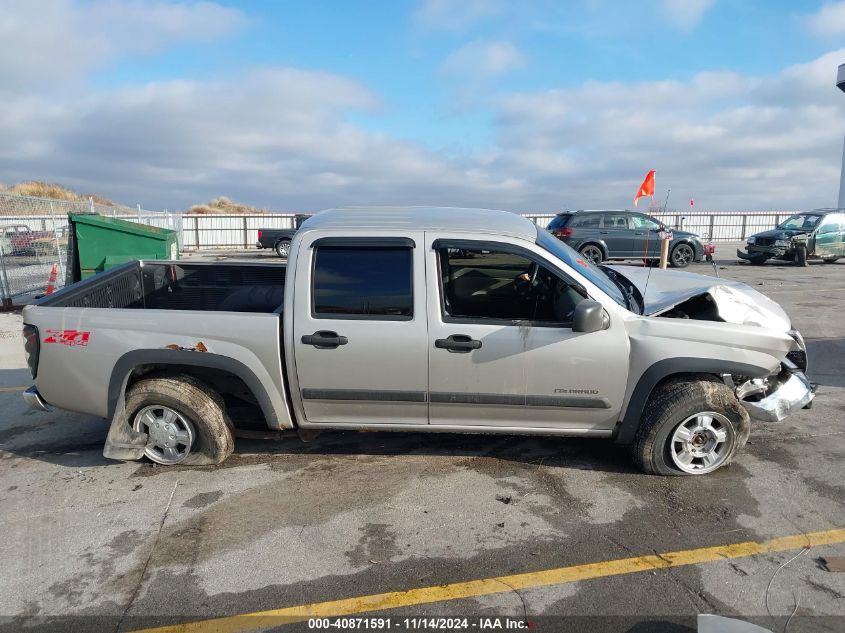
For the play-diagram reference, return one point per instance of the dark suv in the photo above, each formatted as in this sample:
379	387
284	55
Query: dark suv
607	234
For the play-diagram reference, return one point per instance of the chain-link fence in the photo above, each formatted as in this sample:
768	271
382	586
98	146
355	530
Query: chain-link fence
34	240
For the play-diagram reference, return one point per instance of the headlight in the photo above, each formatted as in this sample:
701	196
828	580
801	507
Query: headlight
752	240
781	243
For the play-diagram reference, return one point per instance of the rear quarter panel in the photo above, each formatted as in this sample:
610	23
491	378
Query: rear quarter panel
74	372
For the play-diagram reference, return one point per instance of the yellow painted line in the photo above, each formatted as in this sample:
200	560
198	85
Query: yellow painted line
9	389
499	584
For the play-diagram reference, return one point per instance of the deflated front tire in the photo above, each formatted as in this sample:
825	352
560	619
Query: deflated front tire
690	427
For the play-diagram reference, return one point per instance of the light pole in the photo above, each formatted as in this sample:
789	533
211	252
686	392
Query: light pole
840	83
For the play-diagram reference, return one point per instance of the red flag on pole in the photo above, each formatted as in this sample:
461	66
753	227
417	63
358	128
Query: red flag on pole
647	188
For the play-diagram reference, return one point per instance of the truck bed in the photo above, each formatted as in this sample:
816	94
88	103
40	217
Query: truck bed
160	285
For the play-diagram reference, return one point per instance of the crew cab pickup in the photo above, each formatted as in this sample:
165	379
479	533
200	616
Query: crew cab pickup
417	319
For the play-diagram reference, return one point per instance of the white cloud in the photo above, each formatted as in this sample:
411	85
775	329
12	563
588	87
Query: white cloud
730	141
54	41
455	15
829	21
483	58
685	15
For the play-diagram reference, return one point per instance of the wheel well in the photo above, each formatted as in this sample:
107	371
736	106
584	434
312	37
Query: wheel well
598	245
241	404
674	369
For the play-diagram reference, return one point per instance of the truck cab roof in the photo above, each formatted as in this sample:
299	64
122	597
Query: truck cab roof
424	219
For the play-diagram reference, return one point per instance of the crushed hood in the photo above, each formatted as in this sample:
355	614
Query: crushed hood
735	301
780	234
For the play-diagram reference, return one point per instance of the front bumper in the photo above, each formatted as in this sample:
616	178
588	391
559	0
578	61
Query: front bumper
753	252
793	392
34	399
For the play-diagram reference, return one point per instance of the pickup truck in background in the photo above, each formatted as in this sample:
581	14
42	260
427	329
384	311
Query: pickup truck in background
19	239
280	239
417	319
277	239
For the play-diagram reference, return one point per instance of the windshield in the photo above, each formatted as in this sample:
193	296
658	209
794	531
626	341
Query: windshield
800	222
574	260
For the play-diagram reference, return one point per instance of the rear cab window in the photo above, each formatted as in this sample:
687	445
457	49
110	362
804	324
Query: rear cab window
363	282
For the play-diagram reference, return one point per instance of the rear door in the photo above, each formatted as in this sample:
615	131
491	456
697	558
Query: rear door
617	234
359	334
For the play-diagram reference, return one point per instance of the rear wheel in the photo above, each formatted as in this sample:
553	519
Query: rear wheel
593	253
282	248
690	427
681	256
185	420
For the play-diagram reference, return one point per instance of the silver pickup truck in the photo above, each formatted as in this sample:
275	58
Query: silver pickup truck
420	319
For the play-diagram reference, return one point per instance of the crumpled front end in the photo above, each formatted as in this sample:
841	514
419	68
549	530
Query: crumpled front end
775	397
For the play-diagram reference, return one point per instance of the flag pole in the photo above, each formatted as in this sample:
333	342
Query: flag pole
666	203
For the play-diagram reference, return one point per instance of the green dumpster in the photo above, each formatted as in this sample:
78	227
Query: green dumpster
98	242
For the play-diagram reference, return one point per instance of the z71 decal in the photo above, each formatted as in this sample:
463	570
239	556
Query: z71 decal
74	338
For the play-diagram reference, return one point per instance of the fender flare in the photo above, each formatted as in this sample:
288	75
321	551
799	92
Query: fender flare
626	429
127	363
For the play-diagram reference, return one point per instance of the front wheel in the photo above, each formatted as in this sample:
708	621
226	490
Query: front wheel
283	248
593	253
681	256
690	427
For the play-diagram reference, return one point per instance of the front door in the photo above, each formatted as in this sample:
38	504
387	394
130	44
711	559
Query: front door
502	352
360	338
646	242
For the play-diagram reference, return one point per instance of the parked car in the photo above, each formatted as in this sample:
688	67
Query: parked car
280	239
277	239
379	321
19	239
809	235
48	242
605	234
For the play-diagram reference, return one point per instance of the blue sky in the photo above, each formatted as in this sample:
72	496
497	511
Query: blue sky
534	105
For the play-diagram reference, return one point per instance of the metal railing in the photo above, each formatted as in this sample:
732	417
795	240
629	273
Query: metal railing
33	233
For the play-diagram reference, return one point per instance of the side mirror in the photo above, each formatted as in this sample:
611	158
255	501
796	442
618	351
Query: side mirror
589	316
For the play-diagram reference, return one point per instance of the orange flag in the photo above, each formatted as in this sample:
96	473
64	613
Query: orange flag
647	188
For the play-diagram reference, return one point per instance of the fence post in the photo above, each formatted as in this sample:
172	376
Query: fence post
777	219
197	230
91	203
744	225
5	288
139	210
712	224
246	245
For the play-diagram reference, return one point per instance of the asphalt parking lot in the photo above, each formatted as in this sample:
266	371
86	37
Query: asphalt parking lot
92	544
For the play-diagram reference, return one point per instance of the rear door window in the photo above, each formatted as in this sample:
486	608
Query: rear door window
615	220
363	283
586	221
